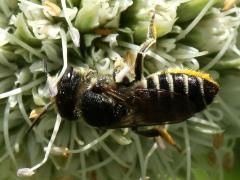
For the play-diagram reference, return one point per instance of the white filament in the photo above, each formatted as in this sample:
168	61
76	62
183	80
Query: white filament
30	171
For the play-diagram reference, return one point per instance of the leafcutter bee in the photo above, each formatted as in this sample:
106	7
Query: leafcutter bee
117	101
164	97
170	96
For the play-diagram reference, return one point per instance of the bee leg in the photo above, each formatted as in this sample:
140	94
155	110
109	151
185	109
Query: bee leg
167	137
151	39
158	131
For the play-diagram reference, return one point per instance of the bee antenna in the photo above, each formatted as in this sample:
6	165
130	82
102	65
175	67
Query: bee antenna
36	114
33	125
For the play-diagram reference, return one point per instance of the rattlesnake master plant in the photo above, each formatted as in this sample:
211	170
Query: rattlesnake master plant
39	36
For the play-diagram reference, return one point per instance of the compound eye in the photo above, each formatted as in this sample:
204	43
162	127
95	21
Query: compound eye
66	99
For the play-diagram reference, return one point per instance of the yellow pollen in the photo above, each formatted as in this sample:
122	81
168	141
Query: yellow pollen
190	72
53	9
228	4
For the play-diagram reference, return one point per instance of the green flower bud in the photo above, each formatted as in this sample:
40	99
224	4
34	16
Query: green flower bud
138	17
212	32
97	13
191	9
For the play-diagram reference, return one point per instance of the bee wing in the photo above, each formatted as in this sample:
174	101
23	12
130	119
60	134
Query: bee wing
117	95
155	107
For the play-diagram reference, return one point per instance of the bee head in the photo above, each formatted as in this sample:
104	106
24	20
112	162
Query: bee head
70	87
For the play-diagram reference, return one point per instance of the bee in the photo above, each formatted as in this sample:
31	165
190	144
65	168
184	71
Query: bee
165	97
125	100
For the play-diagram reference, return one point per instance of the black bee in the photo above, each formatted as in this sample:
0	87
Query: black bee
112	101
164	97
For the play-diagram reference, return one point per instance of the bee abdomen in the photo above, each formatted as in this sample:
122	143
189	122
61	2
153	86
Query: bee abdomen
198	87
